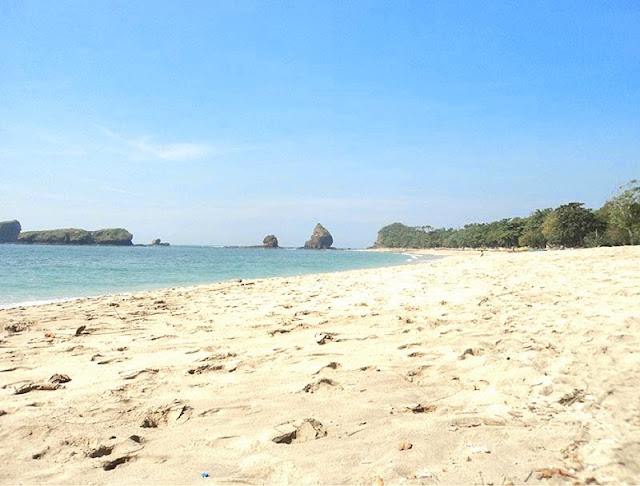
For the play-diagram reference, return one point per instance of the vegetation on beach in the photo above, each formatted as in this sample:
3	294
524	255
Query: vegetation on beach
570	225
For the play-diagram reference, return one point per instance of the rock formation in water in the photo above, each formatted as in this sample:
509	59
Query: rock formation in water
73	236
158	242
9	231
112	236
320	239
270	241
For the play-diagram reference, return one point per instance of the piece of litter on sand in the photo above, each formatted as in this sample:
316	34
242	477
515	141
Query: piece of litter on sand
205	475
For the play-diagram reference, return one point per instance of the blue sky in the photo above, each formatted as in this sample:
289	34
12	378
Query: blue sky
211	122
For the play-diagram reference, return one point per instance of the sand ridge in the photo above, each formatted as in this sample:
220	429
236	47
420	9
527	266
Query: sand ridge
501	369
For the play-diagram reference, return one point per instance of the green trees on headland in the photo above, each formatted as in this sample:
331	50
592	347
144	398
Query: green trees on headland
569	225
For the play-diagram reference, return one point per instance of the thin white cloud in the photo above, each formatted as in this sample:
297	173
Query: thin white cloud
173	152
144	149
117	190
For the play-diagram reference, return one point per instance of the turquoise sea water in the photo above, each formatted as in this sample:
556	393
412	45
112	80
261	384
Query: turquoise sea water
31	274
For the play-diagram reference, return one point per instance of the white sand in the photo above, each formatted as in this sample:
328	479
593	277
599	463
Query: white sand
497	370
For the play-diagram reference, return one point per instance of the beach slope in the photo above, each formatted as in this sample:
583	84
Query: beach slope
501	369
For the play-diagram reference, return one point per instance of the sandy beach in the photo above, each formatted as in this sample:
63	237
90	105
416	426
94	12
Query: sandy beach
509	368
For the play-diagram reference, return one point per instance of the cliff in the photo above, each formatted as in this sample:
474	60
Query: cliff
74	236
9	231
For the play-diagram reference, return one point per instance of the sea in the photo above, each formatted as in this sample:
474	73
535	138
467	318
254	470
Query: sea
36	274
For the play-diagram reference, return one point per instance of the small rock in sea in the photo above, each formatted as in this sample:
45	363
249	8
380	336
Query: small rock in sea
270	241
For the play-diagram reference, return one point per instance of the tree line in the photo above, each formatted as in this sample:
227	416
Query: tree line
572	225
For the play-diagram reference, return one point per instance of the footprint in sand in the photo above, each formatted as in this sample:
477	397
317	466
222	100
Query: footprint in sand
309	429
100	451
205	368
324	384
124	452
325	337
415	375
171	415
212	363
102	360
332	366
409	345
417	408
111	465
471	352
130	375
55	383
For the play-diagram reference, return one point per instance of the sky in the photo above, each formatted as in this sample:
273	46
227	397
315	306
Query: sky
219	122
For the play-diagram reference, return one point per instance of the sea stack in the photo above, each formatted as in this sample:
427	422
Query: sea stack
321	239
270	241
9	231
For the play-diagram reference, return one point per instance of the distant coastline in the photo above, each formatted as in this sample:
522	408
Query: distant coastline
11	232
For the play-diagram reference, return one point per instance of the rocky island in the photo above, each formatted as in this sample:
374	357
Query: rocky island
270	241
320	239
74	236
11	232
158	242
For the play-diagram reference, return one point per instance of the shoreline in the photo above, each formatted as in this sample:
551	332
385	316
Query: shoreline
427	251
191	287
195	280
505	368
